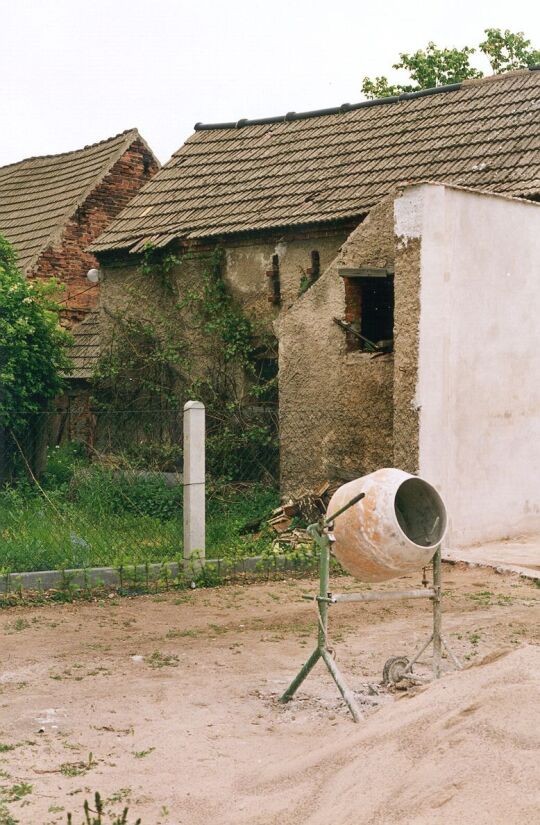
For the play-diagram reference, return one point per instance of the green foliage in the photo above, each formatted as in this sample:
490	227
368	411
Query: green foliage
32	343
62	463
507	51
200	345
434	66
108	492
95	816
96	515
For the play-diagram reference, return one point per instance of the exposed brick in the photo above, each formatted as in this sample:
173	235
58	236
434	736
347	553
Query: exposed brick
67	259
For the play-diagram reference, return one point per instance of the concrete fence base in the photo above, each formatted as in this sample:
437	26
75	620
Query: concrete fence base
132	575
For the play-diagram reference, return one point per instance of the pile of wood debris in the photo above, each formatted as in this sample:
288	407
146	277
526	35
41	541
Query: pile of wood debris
305	510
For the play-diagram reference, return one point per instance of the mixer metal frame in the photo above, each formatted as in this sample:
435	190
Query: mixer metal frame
323	537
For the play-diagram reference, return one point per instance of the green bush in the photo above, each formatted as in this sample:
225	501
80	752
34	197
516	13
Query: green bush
62	462
114	492
32	343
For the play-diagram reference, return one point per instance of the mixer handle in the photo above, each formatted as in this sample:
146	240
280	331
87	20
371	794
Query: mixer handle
329	520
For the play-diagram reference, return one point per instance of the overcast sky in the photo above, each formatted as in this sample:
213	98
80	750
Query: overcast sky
75	72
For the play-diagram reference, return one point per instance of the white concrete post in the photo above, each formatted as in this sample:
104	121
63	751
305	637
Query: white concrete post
194	480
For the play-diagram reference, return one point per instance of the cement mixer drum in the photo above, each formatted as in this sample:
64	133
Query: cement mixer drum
394	530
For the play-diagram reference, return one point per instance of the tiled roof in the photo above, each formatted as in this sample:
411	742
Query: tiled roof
85	351
38	195
317	167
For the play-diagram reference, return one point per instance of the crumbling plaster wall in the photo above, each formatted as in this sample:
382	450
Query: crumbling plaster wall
125	291
335	406
248	261
477	396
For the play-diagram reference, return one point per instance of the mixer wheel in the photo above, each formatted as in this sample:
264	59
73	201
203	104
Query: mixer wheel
393	669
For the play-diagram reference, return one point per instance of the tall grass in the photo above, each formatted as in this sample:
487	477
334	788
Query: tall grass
91	515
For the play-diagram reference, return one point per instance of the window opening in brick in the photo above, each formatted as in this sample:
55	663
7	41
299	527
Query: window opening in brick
274	292
369	313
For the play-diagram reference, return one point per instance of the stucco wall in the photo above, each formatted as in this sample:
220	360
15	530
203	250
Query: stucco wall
478	387
247	262
126	291
335	406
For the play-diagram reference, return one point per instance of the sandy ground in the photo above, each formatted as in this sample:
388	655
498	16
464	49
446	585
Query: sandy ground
168	704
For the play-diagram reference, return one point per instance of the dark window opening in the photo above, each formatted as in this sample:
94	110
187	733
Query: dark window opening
369	313
315	269
274	292
265	363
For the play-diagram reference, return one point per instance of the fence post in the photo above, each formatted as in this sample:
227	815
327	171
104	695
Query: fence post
194	480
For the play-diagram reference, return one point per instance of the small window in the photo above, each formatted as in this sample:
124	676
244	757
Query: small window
369	312
274	291
315	269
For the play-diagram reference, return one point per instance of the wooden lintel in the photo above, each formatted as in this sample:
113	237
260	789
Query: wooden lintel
365	272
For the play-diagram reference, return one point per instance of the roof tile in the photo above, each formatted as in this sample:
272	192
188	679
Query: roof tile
38	195
319	168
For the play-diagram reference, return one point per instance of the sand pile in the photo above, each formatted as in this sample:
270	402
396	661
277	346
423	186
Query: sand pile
465	750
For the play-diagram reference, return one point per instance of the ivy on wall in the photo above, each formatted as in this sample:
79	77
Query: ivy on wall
195	341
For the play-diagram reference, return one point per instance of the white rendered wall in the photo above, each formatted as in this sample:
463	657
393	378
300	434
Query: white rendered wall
478	389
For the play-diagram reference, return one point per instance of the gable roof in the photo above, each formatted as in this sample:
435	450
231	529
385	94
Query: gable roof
337	163
38	195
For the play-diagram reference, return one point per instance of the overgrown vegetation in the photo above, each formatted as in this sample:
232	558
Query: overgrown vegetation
33	354
106	501
192	341
88	514
433	66
32	343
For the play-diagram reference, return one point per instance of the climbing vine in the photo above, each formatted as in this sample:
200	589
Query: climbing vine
195	341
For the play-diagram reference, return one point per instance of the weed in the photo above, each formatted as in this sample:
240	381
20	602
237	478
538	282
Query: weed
16	792
17	625
120	520
120	796
159	660
78	768
90	819
182	634
5	816
5	748
142	754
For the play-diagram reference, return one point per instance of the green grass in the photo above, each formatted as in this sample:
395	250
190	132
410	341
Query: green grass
92	516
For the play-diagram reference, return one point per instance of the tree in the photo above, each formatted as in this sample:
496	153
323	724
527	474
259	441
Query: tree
507	51
33	345
437	67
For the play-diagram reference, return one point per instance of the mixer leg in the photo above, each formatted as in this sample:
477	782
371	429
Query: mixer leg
437	614
345	691
299	678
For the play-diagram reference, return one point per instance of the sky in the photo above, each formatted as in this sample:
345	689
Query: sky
73	72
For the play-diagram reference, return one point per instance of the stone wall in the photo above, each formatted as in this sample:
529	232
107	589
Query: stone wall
67	259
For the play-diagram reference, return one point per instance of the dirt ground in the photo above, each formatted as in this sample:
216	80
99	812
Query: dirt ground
167	704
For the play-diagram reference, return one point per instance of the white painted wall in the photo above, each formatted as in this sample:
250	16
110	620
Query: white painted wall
478	389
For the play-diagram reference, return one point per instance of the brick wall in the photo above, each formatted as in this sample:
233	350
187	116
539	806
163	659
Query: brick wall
67	259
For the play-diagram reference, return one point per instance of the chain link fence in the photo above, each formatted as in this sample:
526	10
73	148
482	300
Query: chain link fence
82	487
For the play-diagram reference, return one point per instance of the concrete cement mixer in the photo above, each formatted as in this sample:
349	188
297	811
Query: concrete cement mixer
394	529
379	527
